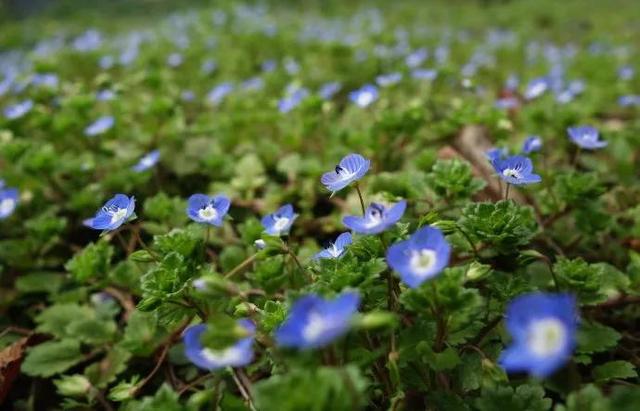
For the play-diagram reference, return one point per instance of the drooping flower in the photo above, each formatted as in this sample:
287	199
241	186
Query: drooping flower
423	256
237	355
147	161
377	218
335	249
351	168
18	110
209	210
364	96
100	126
8	201
113	213
586	137
315	322
387	80
543	327
280	222
517	170
531	144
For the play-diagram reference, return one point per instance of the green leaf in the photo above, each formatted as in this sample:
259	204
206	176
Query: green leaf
526	397
336	389
52	357
140	335
453	179
106	370
586	280
594	337
55	319
39	283
165	399
92	261
588	398
614	370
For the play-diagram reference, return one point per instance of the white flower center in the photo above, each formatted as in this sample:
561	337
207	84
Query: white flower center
146	162
511	172
229	355
422	261
364	99
208	213
281	223
316	326
546	337
118	215
6	206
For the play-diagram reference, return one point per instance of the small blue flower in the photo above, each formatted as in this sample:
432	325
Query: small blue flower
100	126
507	103
174	60
629	100
517	170
387	80
292	99
424	74
626	73
377	218
219	92
351	168
8	201
536	87
531	144
314	322
364	96
253	84
105	95
269	65
328	90
45	79
423	256
106	62
586	137
18	110
336	249
187	95
147	161
208	67
543	328
209	210
237	355
113	213
280	222
416	58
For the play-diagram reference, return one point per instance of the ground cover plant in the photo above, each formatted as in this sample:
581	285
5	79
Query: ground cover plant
273	206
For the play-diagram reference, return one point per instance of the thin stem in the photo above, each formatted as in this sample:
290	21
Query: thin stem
574	162
361	198
473	246
153	255
247	261
239	379
297	262
506	192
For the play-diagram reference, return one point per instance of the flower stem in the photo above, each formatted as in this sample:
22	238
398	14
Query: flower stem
361	198
247	261
506	192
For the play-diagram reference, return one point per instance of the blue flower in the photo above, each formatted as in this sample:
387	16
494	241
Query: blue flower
517	170
187	95
219	92
424	74
336	249
105	95
351	168
147	161
45	79
629	100
268	66
543	327
113	213
328	90
536	87
386	80
209	210
208	67
531	144
280	222
626	73
18	110
106	62
315	322
507	103
237	355
100	126
8	201
377	218
423	256
292	99
253	84
586	137
416	58
174	60
364	96
496	153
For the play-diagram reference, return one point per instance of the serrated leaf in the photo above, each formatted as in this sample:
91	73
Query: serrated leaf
614	370
52	357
